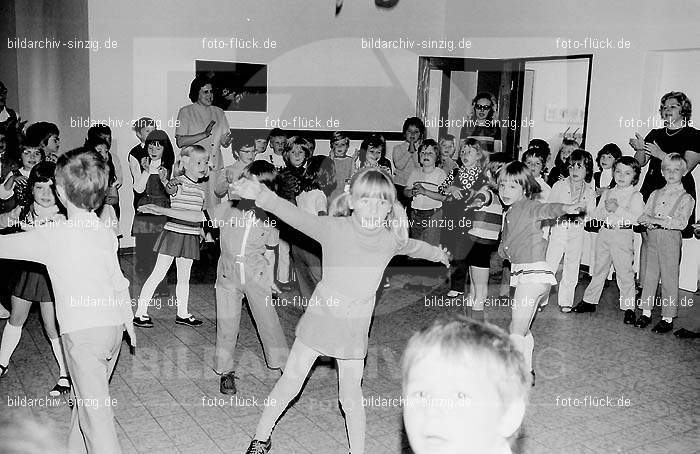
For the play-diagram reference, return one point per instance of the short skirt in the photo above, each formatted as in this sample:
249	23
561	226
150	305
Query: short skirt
531	273
33	284
177	244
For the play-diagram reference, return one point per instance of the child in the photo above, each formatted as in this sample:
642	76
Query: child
560	169
104	132
483	233
426	204
296	153
465	387
459	187
179	239
93	306
617	212
522	243
448	154
372	154
246	232
368	228
665	215
341	161
142	128
261	143
404	156
244	153
319	178
15	185
150	179
33	281
101	146
45	136
566	239
278	143
536	160
603	178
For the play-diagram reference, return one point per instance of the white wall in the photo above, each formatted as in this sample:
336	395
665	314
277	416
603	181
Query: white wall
559	83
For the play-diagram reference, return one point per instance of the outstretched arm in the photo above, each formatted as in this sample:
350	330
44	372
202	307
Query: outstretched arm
422	250
183	215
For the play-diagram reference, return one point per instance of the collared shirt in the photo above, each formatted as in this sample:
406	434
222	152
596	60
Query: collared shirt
563	192
672	203
80	255
629	206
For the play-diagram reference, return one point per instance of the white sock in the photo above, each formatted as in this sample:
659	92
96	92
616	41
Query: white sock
10	339
646	313
667	319
60	359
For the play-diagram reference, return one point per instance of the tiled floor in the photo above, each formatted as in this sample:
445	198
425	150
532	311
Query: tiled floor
168	400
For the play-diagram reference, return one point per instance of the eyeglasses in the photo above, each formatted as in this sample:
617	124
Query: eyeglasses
576	165
482	107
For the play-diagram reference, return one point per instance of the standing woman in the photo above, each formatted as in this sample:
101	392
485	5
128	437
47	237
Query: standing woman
675	137
481	125
203	124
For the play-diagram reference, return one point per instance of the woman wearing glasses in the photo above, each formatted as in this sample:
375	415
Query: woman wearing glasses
481	125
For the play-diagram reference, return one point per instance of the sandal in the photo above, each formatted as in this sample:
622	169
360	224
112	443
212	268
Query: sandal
3	370
60	388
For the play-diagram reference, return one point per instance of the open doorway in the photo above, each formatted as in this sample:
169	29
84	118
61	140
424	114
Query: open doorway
545	97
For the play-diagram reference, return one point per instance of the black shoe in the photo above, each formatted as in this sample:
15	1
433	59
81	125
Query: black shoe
227	385
189	320
3	370
630	318
259	447
662	327
583	306
143	322
681	334
59	388
642	322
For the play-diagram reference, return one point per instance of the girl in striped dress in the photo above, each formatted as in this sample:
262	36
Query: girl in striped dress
179	239
485	230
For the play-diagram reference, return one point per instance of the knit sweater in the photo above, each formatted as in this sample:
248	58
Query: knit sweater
522	240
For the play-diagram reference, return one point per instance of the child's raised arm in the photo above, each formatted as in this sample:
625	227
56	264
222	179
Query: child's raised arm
313	226
422	250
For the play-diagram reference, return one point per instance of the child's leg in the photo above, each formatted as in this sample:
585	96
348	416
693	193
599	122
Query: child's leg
602	266
91	355
652	272
13	329
228	321
283	262
268	323
572	262
163	263
670	260
622	251
525	302
182	288
555	250
48	315
480	283
300	361
350	397
505	280
643	253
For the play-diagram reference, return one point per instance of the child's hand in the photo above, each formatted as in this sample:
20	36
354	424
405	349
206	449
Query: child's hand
10	182
455	192
599	191
21	180
246	189
52	158
149	209
611	205
163	175
172	184
145	162
574	208
446	255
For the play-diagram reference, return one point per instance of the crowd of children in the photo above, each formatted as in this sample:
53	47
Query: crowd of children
331	224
